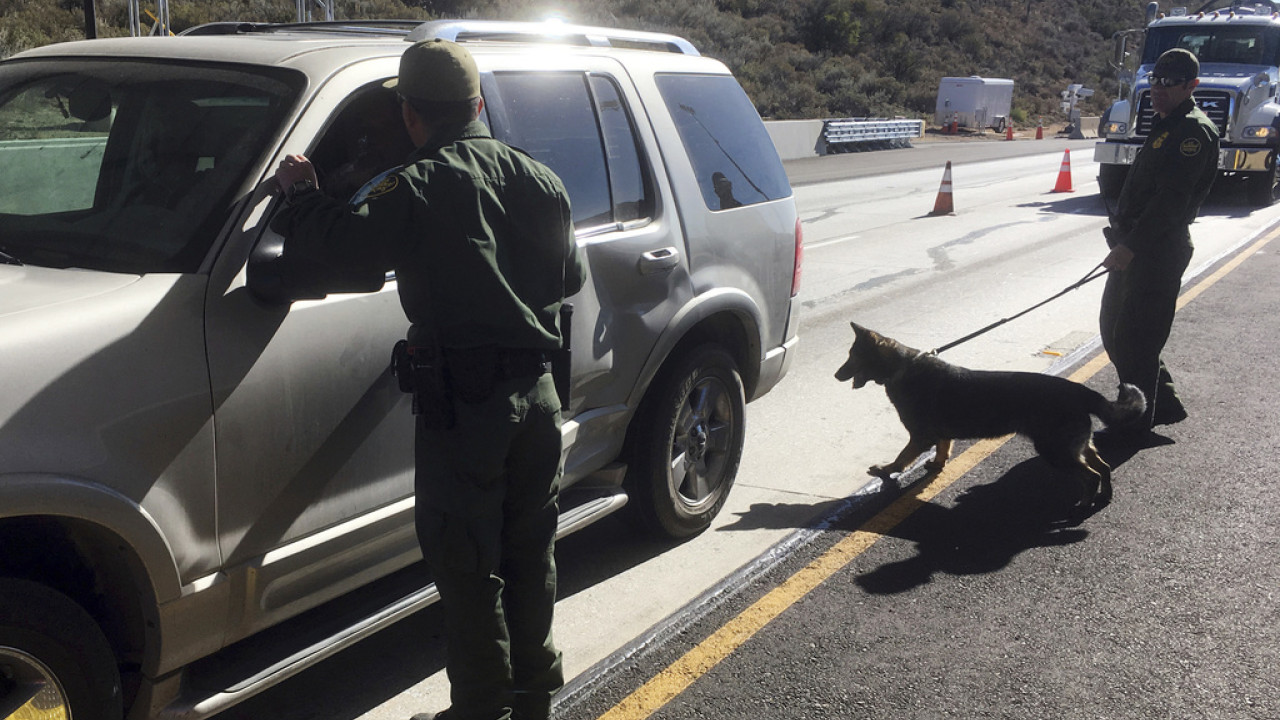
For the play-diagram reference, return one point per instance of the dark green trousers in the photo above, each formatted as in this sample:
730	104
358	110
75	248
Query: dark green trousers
486	516
1138	306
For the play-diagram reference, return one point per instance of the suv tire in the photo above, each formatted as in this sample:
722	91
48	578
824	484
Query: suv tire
688	443
47	639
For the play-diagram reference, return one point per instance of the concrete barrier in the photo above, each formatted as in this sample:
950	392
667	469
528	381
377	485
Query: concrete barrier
796	138
1086	128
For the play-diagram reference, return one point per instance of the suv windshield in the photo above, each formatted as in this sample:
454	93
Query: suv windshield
127	166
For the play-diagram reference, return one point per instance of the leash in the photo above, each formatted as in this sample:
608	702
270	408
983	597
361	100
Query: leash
1089	277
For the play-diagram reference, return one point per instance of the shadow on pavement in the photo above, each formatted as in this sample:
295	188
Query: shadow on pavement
985	528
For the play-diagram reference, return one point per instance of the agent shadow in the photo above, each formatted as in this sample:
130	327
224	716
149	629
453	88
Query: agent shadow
1070	204
985	528
1224	200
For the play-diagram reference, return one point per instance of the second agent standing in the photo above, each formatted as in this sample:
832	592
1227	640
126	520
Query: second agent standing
480	237
1150	241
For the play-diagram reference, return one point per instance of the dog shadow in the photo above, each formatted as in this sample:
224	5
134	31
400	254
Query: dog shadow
985	528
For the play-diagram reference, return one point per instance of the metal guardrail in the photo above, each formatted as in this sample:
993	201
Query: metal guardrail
853	133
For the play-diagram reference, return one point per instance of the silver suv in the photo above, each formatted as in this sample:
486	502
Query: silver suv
199	438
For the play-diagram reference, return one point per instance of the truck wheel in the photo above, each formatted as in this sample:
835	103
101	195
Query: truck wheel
1111	180
688	444
54	657
1262	186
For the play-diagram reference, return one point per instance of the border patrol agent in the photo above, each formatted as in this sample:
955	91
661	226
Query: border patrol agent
1150	242
481	239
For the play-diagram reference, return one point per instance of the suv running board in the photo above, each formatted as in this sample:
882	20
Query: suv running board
593	498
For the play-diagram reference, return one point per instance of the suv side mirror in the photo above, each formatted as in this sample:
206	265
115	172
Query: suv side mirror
274	277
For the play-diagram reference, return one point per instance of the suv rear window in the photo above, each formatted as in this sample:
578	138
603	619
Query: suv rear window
577	125
127	166
731	152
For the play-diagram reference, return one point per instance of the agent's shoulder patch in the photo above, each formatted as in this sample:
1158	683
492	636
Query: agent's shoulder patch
384	186
1190	147
381	185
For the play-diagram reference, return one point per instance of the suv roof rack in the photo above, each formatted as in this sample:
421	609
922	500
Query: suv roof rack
468	31
352	27
551	32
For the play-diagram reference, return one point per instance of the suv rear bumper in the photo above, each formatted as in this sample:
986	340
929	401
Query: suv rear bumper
774	367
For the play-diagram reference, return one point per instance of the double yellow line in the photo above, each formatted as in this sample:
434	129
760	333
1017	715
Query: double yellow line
678	676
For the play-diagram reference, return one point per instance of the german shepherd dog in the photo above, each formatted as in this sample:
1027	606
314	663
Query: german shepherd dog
939	402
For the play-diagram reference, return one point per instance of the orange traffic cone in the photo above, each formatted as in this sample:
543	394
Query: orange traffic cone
1040	129
1008	132
1064	175
943	205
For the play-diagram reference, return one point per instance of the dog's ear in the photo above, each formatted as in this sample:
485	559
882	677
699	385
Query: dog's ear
870	336
861	332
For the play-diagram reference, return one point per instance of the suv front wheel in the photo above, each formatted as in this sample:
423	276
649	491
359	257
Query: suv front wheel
53	657
688	443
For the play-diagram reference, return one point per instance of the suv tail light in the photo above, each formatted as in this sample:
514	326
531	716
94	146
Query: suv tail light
795	272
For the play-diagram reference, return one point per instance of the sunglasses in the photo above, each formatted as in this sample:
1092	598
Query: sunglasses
1167	81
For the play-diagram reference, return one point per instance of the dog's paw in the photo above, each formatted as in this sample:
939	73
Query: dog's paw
935	466
1103	497
884	472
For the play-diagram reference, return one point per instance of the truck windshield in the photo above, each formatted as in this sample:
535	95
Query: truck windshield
128	166
1241	44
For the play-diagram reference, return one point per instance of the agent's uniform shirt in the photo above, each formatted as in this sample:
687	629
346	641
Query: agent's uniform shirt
479	234
1168	181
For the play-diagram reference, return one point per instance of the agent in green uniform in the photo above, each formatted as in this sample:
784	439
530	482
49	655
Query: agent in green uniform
481	240
1150	242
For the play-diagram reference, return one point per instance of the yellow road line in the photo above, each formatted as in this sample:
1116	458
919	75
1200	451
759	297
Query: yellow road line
1235	262
678	676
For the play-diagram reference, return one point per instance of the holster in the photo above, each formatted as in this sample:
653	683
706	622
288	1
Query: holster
1112	235
419	369
562	359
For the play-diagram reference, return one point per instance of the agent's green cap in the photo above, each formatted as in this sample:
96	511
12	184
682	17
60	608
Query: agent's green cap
1177	63
437	71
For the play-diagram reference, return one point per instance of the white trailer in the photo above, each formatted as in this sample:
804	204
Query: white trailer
974	102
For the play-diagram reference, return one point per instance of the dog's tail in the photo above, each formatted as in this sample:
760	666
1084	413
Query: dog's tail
1128	405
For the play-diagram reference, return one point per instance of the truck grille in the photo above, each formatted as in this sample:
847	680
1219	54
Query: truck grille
1215	103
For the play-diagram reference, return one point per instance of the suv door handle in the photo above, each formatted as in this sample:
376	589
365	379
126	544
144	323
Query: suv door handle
656	261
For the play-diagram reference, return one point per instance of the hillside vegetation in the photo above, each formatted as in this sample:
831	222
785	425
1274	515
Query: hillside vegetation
796	58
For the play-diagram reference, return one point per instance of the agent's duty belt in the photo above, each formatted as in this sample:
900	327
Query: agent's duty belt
506	362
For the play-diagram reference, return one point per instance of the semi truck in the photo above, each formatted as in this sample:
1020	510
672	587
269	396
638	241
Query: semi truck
1239	51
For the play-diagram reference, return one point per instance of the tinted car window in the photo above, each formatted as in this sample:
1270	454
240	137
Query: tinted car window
127	166
550	116
366	138
627	179
731	152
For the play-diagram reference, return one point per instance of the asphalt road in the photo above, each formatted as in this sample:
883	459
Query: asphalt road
992	600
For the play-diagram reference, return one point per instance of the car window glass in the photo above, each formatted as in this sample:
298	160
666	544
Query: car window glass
1247	44
127	166
627	179
550	116
365	138
732	155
